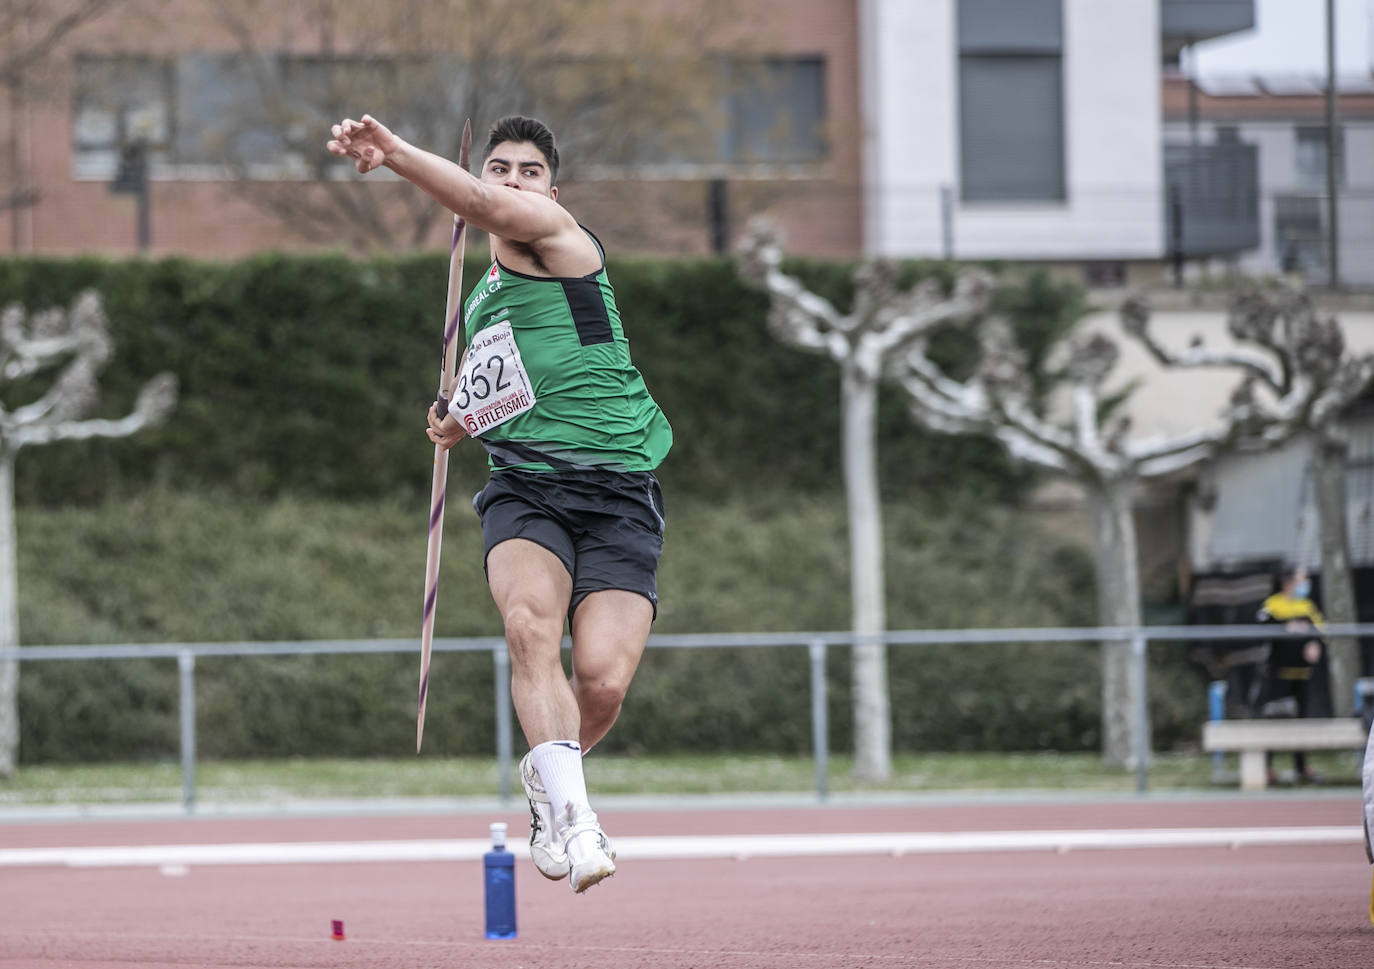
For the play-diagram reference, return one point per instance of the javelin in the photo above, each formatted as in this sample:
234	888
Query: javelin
453	317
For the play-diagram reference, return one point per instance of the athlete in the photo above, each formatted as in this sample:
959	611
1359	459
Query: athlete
572	515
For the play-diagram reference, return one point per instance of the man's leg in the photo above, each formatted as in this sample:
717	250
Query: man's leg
532	590
531	586
609	630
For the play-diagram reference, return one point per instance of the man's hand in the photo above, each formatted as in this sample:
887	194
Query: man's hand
368	142
1311	652
446	431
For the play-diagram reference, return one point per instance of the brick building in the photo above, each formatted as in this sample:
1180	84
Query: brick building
172	81
1023	130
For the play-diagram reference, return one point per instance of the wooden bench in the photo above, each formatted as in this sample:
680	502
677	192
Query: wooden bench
1252	739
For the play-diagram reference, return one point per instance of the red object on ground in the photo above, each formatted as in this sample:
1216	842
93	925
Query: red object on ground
337	925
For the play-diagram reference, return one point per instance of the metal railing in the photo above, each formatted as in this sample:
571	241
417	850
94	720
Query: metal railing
816	643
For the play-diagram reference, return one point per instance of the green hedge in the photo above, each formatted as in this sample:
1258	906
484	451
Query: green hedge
310	375
284	499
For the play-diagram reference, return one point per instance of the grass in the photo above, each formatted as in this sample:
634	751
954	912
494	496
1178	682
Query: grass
286	780
164	566
173	567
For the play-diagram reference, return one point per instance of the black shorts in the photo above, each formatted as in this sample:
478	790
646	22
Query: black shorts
606	527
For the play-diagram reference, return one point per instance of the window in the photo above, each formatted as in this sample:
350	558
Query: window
1011	100
620	114
776	111
262	115
1310	160
119	100
1300	235
221	115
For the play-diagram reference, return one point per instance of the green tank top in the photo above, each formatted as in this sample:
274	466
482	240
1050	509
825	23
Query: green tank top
591	407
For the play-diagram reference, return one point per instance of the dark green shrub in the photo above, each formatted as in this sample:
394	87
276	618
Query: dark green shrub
310	375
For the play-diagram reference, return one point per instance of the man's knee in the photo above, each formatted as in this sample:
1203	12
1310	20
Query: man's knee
605	693
604	690
531	637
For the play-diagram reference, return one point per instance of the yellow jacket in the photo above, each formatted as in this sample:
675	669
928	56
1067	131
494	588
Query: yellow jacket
1285	654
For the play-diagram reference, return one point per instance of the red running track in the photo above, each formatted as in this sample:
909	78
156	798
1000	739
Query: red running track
1303	907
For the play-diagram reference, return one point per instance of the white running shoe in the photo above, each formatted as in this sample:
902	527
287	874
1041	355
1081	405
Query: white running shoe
590	855
548	858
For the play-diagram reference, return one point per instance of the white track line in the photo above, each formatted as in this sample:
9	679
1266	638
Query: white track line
700	846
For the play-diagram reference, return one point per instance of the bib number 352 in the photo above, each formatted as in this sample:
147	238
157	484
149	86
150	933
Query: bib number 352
493	386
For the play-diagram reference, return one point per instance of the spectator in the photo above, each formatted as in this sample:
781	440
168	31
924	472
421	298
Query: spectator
1288	683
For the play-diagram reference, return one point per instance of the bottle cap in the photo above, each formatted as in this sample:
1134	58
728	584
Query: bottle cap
498	835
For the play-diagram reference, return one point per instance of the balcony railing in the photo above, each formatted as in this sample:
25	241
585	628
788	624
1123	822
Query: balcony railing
1184	22
1211	199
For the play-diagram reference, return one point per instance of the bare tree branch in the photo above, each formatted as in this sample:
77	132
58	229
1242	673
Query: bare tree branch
986	406
49	336
155	402
14	67
915	314
796	315
883	321
30	342
1347	384
1135	320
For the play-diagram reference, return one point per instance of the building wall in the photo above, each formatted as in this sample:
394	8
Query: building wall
911	125
1168	402
817	205
1356	206
1113	156
1276	140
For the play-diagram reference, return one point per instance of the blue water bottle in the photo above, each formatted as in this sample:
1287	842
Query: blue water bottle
499	870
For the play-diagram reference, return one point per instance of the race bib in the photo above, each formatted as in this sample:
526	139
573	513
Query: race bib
493	386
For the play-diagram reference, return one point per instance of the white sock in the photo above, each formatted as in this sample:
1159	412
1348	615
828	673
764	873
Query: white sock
559	763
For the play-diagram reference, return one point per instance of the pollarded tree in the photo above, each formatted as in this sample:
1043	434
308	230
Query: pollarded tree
865	343
78	342
1101	454
1283	348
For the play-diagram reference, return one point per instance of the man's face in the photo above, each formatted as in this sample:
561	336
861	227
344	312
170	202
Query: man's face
519	165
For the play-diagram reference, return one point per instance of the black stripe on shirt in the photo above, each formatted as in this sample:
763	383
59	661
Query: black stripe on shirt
588	307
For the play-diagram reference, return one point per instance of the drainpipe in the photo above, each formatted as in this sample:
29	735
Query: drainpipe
1333	147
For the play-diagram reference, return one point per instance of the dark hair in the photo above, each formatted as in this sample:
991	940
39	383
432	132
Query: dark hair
1288	573
516	128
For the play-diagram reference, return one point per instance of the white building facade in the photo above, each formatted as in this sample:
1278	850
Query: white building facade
1019	129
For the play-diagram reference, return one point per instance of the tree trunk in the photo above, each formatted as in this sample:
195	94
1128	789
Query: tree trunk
1118	604
1338	585
9	622
872	717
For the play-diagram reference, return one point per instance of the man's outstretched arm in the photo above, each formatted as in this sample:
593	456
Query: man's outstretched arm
504	212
